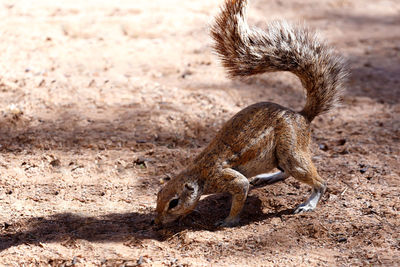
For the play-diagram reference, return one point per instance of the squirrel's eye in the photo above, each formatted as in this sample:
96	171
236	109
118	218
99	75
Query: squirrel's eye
173	203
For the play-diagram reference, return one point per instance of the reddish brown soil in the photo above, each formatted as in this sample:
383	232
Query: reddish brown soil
101	99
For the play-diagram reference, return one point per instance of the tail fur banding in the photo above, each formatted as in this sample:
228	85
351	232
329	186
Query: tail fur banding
246	51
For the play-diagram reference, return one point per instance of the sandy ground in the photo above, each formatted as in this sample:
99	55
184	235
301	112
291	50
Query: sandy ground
101	99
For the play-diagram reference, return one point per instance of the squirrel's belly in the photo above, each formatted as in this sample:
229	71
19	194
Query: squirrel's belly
258	155
264	163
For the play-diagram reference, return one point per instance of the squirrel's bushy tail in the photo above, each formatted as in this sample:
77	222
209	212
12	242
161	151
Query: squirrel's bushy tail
282	47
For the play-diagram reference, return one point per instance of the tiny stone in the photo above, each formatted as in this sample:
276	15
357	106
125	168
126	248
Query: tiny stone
6	225
367	64
341	142
140	260
323	147
55	163
276	221
186	73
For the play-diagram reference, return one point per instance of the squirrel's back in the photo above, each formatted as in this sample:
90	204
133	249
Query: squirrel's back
247	51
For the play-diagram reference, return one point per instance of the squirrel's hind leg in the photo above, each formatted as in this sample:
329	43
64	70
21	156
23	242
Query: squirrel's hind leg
307	173
300	166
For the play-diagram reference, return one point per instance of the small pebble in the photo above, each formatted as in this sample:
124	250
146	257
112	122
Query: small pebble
55	163
6	225
186	73
341	142
323	147
140	260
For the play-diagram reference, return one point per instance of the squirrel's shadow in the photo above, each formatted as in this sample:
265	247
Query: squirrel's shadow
215	208
66	228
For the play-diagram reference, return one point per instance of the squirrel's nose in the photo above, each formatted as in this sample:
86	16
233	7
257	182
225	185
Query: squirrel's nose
156	222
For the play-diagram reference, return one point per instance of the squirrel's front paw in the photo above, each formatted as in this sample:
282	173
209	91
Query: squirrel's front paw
228	222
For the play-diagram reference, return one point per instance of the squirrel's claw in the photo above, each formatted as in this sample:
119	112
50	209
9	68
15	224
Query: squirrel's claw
303	208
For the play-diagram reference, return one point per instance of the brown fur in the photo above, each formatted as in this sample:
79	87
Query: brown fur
281	47
265	135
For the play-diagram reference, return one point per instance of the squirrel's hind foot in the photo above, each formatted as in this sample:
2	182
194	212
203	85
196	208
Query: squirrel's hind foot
312	201
268	179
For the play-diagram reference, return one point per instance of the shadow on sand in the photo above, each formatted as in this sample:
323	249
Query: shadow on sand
65	228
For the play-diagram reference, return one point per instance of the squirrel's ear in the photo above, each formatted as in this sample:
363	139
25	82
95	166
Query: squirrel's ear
191	187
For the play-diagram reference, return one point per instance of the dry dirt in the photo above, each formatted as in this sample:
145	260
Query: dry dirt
101	99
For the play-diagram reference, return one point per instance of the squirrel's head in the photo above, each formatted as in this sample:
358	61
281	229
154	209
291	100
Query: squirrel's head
177	199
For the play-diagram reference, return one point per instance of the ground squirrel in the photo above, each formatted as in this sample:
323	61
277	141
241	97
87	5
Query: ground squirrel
265	135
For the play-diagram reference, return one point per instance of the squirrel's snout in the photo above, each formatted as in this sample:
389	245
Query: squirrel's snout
162	221
157	221
156	225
